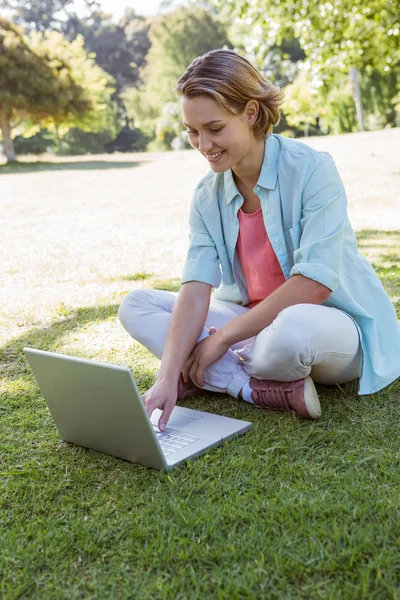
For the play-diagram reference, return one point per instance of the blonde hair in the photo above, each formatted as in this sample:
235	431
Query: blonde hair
232	81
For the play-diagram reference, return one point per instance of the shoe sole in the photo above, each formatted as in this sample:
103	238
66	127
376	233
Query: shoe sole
311	399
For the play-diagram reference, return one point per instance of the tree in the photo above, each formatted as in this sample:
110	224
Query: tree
44	80
302	103
30	86
339	35
38	15
335	35
177	38
338	114
96	86
120	49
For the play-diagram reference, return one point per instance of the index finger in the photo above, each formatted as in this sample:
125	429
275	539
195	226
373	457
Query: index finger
166	413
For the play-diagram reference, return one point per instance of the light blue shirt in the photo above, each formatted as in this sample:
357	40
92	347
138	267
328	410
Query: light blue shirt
304	206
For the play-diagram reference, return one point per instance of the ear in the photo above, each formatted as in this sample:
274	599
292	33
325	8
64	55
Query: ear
251	111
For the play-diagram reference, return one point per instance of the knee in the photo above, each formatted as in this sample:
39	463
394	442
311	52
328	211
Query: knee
285	341
293	322
292	329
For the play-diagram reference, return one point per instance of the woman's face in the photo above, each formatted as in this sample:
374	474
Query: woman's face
224	139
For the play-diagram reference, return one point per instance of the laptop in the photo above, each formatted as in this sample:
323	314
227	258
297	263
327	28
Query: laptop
98	406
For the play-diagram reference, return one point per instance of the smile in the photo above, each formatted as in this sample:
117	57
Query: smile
214	157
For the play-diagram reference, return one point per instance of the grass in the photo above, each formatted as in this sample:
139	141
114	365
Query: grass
294	509
29	166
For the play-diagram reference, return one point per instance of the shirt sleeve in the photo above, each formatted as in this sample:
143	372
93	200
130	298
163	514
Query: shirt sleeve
202	262
323	218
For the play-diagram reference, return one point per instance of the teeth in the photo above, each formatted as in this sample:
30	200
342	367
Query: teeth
214	155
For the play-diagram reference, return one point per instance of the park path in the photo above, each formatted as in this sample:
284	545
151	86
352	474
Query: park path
74	234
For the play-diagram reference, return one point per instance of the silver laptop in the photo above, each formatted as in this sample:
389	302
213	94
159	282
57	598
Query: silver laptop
98	406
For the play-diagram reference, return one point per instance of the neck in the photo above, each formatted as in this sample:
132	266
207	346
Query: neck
247	171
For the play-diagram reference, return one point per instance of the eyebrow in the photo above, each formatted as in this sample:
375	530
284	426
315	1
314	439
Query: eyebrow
207	124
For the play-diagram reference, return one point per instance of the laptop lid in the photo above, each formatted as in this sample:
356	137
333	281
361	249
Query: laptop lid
92	406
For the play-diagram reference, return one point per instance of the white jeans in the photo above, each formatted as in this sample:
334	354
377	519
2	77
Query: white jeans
304	339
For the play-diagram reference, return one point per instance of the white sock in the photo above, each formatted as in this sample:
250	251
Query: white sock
246	393
226	375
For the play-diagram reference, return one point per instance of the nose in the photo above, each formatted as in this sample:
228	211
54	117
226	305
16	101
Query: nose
205	144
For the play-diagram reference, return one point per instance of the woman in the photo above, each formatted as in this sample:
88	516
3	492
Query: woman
296	303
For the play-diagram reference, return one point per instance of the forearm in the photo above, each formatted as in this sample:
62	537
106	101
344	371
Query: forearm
296	290
188	318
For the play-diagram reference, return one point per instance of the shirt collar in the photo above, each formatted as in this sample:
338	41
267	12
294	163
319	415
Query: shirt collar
268	173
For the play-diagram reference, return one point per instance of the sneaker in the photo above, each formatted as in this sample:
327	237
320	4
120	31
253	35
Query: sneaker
298	396
187	390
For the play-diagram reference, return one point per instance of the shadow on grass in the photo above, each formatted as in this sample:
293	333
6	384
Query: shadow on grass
12	358
82	165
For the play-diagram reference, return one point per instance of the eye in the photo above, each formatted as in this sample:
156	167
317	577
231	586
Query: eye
216	130
190	132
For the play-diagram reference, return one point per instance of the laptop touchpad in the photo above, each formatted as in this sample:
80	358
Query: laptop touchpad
178	421
180	417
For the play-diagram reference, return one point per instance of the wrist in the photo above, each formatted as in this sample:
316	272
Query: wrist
224	336
167	378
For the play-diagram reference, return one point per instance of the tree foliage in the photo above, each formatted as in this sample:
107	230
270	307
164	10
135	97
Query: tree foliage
45	80
301	103
30	86
335	34
95	85
39	15
120	49
338	37
177	38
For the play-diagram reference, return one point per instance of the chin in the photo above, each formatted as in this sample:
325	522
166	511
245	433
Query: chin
221	167
218	168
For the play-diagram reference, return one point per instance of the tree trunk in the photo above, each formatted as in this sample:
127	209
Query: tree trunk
7	139
59	141
355	86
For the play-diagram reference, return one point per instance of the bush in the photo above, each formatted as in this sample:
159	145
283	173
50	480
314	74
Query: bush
128	140
41	142
77	142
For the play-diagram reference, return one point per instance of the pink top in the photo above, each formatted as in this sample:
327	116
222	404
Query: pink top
257	258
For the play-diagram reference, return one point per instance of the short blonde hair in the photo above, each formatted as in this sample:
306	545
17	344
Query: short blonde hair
232	81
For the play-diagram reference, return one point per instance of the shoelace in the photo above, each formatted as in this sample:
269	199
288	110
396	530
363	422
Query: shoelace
275	396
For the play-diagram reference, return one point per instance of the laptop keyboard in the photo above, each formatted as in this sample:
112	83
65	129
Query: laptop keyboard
171	441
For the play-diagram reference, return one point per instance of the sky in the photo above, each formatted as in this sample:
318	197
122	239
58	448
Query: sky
116	7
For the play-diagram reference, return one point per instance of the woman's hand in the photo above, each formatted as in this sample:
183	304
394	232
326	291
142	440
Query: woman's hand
205	353
162	395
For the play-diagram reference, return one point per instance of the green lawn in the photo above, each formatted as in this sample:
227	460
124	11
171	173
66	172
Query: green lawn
294	509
